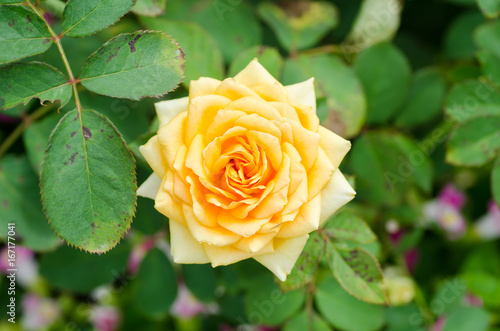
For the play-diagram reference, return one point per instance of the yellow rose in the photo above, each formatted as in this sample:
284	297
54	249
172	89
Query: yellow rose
243	169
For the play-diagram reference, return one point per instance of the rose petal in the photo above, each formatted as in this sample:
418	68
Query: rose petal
217	236
303	93
251	105
306	143
203	86
320	173
229	254
233	90
150	187
255	74
255	243
153	154
165	202
272	92
334	195
306	221
243	227
168	109
184	248
334	145
286	253
202	111
171	137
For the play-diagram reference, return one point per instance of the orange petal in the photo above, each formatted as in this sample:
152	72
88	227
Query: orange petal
306	221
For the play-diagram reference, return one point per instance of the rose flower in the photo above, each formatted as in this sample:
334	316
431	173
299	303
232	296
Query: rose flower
243	169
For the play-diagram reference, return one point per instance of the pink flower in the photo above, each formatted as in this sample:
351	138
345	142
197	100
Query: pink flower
186	305
38	313
24	261
105	318
439	325
445	211
451	196
138	253
473	300
488	226
411	259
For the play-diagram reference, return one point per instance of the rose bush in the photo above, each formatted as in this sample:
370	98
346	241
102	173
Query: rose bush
243	169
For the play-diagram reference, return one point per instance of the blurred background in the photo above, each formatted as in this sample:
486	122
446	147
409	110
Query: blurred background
413	85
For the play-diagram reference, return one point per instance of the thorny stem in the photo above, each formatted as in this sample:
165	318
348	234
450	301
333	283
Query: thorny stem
57	39
11	139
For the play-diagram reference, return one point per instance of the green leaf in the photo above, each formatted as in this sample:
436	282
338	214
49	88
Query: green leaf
490	65
20	82
490	8
203	58
155	287
358	272
337	83
370	28
475	142
200	280
484	285
495	181
265	304
269	57
134	65
344	311
466	319
70	269
305	268
22	34
458	41
425	99
347	225
149	7
83	18
385	74
232	23
386	164
487	37
305	321
20	204
88	182
36	136
470	99
299	25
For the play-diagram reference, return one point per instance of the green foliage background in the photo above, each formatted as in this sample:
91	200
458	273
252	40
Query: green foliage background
414	86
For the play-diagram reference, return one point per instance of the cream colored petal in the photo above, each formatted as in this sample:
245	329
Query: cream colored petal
233	90
153	154
255	243
251	105
243	227
203	86
305	222
217	236
306	143
202	111
184	248
229	254
150	187
165	202
255	74
171	137
334	195
303	93
334	145
168	109
286	253
320	173
272	92
308	117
